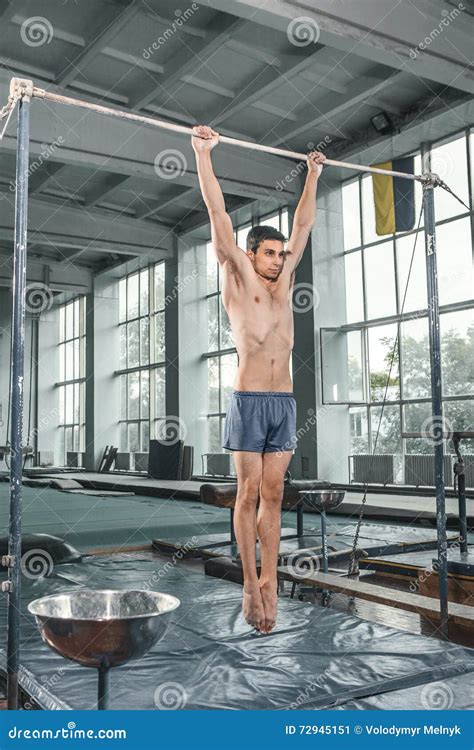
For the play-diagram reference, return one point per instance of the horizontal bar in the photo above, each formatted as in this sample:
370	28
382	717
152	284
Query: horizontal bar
446	434
174	127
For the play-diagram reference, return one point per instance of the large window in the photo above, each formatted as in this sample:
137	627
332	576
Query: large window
71	383
221	354
142	357
382	312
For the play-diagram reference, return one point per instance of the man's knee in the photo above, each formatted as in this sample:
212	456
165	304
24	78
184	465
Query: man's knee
272	489
247	493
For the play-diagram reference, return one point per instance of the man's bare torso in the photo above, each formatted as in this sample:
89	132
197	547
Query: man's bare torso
261	318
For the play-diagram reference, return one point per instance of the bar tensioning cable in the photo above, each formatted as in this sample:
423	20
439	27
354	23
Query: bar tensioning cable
28	87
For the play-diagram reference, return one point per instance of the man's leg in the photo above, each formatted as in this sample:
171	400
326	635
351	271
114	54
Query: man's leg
269	529
249	475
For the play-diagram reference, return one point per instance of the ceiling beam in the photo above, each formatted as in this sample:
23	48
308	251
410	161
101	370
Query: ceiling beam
384	32
97	42
187	61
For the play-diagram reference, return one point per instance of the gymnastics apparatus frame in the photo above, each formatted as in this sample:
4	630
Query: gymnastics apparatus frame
22	91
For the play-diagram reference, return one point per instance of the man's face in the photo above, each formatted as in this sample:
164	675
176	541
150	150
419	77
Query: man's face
269	259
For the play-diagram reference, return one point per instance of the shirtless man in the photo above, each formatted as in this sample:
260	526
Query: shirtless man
260	423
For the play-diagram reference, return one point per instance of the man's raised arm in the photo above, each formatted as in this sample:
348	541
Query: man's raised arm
222	232
305	213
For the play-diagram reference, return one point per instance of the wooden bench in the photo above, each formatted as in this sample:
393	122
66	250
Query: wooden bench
460	614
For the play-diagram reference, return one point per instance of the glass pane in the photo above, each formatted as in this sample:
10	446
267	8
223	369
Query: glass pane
284	223
144	292
214	443
381	342
353	286
271	221
211	269
69	351
416	295
351	215
228	375
242	233
160	394
62	446
368	211
82	357
417	418
418	191
145	436
123	346
76	403
68	398
61	323
61	405
455	267
133	344
76	317
123	438
359	429
77	369
342	366
380	280
82	403
160	337
459	415
457	353
132	295
389	439
145	395
133	395
226	336
144	341
213	385
450	162
62	354
212	324
159	286
415	353
133	438
123	396
75	438
69	312
122	299
69	439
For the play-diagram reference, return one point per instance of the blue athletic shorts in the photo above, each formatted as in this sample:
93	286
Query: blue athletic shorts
260	421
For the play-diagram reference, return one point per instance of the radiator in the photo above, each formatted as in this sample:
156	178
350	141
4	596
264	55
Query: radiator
375	469
419	470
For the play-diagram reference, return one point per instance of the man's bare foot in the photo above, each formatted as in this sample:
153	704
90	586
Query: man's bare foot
269	592
252	606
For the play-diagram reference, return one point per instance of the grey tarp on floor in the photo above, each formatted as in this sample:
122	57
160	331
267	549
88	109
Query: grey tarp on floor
210	658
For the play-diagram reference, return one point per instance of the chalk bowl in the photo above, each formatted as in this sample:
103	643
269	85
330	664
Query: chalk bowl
322	500
103	628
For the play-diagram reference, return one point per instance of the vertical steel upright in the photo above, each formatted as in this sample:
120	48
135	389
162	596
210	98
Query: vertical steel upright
436	403
16	401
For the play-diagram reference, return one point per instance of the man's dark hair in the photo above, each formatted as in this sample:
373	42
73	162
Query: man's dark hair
260	233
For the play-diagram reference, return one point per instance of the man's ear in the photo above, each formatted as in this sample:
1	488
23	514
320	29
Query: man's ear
251	254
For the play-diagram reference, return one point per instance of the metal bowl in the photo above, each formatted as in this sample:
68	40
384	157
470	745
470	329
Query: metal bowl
322	500
103	628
